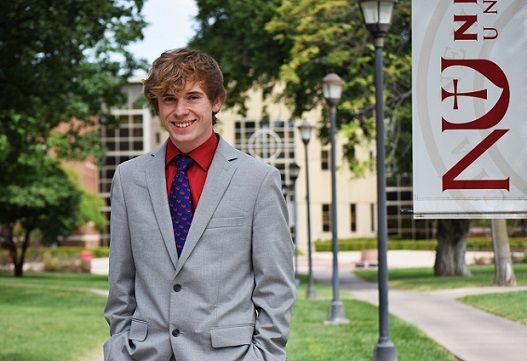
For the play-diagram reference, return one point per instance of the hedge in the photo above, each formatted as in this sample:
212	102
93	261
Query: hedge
38	254
358	244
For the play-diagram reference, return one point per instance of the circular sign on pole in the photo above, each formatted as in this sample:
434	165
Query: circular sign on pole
265	144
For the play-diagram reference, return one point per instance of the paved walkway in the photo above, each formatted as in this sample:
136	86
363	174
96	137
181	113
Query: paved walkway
468	333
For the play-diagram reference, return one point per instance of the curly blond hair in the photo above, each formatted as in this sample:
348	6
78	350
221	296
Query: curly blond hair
174	68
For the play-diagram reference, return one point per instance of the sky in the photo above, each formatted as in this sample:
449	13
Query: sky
170	26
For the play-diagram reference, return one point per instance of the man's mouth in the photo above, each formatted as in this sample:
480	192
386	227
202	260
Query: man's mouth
183	124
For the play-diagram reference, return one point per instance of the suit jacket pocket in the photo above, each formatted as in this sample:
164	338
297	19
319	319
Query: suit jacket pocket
221	222
232	336
138	330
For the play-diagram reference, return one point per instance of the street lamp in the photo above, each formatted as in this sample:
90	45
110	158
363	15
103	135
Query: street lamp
377	17
305	132
332	89
294	171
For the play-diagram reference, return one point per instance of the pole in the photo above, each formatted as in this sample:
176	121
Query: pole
336	311
311	291
295	228
384	349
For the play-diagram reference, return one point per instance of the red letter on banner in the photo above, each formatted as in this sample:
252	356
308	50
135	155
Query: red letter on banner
469	20
492	72
448	178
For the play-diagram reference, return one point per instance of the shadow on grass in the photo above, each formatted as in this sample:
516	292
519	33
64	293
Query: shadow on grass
424	279
76	280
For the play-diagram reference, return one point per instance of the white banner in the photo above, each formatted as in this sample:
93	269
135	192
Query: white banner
469	87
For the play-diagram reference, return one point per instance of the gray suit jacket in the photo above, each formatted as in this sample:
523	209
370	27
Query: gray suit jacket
229	296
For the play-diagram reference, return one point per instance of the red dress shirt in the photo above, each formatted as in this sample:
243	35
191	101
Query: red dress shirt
197	172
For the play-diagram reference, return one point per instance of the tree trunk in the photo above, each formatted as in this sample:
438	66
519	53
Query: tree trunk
504	274
451	245
9	243
19	264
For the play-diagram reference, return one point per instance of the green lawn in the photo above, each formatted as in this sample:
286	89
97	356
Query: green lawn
511	305
311	340
50	317
422	279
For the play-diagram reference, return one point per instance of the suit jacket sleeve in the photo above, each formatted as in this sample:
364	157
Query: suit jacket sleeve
121	298
274	290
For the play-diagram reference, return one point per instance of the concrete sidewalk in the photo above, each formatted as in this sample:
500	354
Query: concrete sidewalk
468	333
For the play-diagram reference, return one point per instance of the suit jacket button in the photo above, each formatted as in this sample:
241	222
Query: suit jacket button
176	332
177	287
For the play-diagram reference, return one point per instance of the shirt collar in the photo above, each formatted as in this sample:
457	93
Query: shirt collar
201	155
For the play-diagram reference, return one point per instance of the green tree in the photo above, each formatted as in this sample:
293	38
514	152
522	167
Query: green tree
59	60
88	210
42	197
295	43
233	32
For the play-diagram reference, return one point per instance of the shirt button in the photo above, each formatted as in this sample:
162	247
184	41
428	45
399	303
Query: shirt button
177	287
176	332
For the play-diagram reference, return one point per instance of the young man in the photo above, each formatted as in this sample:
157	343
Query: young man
201	257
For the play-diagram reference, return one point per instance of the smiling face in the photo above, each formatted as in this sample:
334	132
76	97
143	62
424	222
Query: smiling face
187	116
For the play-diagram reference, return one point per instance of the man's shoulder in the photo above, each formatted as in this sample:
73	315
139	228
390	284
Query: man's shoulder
256	165
250	162
141	161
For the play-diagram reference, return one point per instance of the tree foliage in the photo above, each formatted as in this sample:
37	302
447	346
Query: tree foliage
41	198
297	42
233	32
59	60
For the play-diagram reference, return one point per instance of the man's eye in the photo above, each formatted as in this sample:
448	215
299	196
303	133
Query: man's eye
169	99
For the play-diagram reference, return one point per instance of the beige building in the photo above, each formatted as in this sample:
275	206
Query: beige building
267	132
138	133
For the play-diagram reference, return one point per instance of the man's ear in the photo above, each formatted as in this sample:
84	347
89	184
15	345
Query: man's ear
218	103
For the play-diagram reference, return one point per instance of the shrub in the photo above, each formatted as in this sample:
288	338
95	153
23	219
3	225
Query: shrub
65	263
358	244
58	259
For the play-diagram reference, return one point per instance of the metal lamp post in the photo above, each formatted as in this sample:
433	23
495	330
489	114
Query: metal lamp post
377	16
294	171
332	89
305	132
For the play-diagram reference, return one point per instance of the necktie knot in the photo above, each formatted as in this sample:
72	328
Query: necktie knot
183	162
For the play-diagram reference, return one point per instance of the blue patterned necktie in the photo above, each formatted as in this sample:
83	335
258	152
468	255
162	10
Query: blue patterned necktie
180	202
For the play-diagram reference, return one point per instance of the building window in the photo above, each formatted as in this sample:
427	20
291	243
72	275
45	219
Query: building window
122	143
272	141
372	216
324	159
353	217
326	218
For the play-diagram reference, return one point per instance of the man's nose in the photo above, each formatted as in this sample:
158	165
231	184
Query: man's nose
181	108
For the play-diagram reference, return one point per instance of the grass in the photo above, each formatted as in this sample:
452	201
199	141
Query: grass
50	317
423	279
311	340
510	305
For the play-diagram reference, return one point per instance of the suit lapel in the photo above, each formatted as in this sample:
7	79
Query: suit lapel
219	176
156	183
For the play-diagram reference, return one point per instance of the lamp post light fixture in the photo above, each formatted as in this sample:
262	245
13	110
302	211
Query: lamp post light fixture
332	89
285	190
294	171
377	17
305	132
